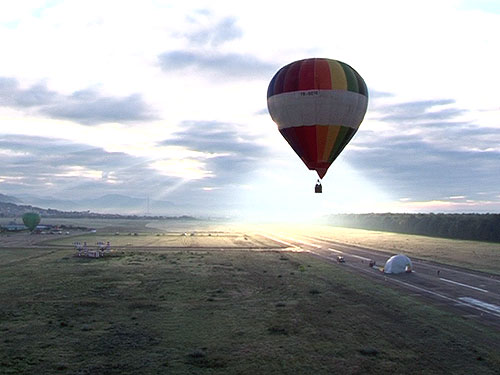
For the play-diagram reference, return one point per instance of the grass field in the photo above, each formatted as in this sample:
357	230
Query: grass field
198	239
231	311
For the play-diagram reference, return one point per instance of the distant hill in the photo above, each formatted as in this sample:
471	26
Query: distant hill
15	210
117	201
107	204
9	199
12	210
49	202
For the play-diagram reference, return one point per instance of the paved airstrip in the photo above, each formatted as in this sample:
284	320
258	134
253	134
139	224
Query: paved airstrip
472	294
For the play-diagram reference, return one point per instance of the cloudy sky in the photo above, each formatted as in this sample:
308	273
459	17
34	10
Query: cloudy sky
167	99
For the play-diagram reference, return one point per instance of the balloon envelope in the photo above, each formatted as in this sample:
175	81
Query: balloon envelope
31	220
318	105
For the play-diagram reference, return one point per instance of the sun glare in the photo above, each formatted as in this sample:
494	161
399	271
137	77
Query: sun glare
187	169
82	172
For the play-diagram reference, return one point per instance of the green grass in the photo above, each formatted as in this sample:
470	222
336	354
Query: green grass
195	239
226	312
13	256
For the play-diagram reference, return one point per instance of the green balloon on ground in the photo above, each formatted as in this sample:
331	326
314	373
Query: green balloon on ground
31	220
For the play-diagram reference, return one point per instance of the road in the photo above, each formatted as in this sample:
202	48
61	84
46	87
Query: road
472	294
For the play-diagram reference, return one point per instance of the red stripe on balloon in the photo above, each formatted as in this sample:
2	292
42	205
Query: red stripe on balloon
322	75
293	140
291	82
280	80
303	141
306	75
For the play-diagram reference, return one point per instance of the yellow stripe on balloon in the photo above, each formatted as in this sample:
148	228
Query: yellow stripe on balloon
331	137
321	139
339	81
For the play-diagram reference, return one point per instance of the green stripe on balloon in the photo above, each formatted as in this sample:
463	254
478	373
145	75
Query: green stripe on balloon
352	81
338	143
347	139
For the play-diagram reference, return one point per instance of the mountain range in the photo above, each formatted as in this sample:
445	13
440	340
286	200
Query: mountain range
9	199
110	203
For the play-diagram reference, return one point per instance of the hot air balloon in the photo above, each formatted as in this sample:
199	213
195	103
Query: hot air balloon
31	220
318	105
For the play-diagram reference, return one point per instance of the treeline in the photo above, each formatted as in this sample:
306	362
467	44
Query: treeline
478	227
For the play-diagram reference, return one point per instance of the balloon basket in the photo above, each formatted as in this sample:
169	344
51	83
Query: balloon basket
318	189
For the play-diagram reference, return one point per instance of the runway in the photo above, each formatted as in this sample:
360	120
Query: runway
472	294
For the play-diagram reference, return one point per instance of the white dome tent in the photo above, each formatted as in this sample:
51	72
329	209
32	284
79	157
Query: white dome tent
398	264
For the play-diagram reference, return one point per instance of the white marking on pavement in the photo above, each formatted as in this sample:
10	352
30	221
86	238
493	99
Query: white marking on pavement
303	242
320	239
359	257
484	305
336	251
349	254
277	240
465	285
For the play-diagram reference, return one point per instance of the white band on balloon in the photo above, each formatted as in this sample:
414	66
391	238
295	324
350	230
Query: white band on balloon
317	107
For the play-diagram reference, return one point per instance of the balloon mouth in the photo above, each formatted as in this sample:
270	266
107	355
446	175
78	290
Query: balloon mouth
320	167
321	172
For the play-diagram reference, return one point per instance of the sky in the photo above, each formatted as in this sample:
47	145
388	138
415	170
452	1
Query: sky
167	100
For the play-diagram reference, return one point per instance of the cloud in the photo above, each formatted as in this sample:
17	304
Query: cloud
51	167
419	111
236	154
375	94
437	122
87	107
47	166
221	64
223	31
424	171
11	95
214	137
426	166
426	150
262	112
202	52
235	160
